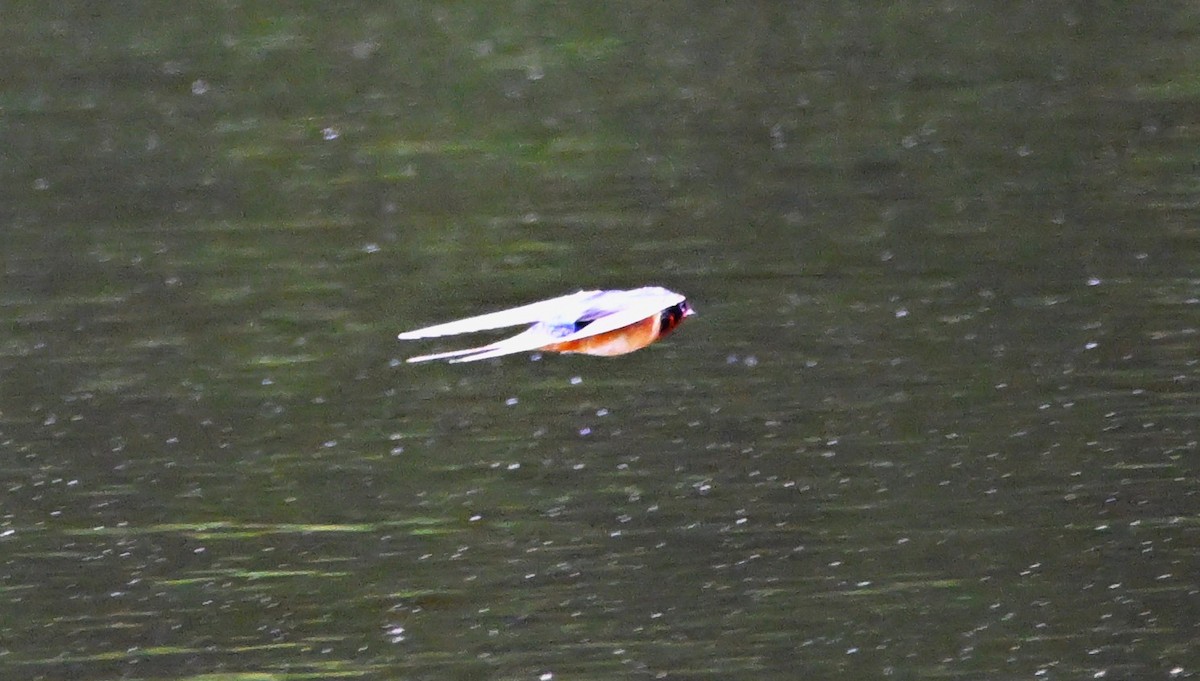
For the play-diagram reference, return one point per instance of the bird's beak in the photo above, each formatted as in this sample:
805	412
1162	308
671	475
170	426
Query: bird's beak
689	312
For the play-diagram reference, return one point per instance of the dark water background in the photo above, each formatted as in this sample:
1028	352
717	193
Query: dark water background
937	417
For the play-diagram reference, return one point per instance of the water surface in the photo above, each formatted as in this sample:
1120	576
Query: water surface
936	417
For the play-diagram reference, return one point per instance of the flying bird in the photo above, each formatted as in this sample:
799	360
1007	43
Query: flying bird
589	322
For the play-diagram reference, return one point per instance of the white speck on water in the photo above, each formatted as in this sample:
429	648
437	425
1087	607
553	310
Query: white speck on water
1093	281
778	141
1091	345
513	466
199	87
511	402
364	49
584	432
601	412
750	361
546	677
576	380
475	518
1176	671
371	248
8	533
41	184
330	134
1100	674
901	313
268	381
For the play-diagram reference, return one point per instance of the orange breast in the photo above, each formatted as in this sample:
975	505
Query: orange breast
616	342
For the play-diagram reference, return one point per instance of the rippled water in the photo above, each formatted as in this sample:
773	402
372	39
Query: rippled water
936	416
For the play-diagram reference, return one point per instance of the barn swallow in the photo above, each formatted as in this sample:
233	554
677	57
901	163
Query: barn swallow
589	322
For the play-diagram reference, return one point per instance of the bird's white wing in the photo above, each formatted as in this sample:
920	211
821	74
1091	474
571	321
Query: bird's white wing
446	355
526	341
564	307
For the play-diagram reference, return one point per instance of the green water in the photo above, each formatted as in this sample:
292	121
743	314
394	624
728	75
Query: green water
936	417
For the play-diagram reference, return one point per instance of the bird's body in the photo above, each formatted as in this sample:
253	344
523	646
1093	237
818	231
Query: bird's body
602	323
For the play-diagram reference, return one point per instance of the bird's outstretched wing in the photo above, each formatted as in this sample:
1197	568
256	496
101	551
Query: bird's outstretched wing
568	306
526	341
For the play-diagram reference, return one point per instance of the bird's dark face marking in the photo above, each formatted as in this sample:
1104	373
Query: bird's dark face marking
669	318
